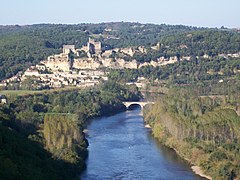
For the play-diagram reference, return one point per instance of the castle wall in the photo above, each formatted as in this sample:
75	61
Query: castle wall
57	65
85	64
107	62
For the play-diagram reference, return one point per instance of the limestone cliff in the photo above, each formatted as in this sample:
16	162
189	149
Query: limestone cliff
94	58
89	63
86	63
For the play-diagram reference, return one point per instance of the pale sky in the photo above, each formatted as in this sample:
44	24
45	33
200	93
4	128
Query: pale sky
201	13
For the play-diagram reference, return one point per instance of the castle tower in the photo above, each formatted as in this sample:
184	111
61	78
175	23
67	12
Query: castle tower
68	48
94	47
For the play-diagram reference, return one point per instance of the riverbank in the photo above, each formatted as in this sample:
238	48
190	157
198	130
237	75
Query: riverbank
55	119
206	131
122	138
196	169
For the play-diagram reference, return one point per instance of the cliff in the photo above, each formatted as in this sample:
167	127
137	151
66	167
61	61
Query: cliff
90	63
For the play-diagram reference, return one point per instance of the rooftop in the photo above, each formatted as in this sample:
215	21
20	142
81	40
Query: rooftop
68	46
3	96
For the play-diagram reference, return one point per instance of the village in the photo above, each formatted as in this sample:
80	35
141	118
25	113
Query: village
87	66
83	67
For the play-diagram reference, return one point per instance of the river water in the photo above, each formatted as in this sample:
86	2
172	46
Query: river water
120	147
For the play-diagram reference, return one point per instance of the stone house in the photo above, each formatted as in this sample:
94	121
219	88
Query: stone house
3	99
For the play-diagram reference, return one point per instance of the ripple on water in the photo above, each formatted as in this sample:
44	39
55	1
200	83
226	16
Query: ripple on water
121	148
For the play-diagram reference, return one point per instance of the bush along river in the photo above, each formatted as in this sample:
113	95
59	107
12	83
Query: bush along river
120	147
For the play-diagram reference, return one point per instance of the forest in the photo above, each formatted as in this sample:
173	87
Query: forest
42	136
202	129
207	77
198	112
23	46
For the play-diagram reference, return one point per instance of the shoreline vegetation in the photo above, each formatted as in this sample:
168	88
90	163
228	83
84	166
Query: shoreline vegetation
205	130
196	169
55	122
202	130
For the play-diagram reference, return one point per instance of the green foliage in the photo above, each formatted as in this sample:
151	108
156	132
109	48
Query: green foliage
23	46
201	129
211	42
202	72
64	137
226	171
55	120
23	159
218	156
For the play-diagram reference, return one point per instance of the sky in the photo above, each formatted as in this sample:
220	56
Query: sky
200	13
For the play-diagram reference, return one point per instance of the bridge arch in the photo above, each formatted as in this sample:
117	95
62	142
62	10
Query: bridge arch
141	104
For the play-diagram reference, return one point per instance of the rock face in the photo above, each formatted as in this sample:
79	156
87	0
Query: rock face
62	131
96	58
86	63
58	62
64	64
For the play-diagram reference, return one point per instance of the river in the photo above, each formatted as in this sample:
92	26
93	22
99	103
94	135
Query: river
120	147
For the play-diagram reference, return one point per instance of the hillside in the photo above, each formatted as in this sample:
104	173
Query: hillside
22	158
23	46
203	130
35	128
41	134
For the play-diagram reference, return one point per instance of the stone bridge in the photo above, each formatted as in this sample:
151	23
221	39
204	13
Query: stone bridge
142	104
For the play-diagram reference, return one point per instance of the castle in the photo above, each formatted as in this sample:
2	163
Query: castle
87	66
96	57
94	47
68	49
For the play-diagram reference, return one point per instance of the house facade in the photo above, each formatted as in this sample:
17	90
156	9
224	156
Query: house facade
3	99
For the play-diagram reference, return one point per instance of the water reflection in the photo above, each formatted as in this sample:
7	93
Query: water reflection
121	148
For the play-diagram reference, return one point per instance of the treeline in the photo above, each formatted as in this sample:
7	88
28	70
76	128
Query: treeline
24	159
203	72
197	43
23	46
204	130
54	121
193	44
103	100
136	34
